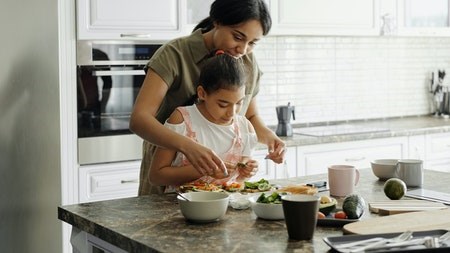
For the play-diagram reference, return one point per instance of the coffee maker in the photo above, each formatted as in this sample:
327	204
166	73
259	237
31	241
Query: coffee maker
284	112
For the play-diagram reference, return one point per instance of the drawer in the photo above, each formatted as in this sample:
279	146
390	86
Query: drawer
315	159
108	181
437	146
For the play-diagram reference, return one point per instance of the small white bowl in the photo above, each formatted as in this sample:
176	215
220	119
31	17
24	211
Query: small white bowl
266	211
384	168
204	206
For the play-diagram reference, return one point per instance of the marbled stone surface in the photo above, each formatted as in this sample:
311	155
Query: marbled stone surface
155	223
402	126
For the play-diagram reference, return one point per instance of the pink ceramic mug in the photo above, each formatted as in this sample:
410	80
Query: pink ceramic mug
342	179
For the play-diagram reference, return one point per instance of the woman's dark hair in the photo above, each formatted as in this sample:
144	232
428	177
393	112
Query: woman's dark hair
234	12
222	72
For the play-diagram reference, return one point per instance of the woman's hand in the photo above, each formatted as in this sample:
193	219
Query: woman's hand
204	160
274	144
277	149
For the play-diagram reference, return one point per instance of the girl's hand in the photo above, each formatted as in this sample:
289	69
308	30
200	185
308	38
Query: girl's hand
231	168
249	170
204	160
277	149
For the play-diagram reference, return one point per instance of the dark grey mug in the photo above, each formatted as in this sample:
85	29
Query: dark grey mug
300	215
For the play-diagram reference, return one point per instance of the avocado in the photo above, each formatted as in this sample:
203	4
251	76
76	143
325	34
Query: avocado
326	207
353	206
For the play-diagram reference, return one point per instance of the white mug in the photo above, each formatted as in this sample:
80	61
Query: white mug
410	171
342	179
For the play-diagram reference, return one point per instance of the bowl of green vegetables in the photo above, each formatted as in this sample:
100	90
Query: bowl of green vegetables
267	205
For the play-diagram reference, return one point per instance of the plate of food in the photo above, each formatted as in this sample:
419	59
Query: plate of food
210	187
200	186
329	215
299	189
336	218
261	185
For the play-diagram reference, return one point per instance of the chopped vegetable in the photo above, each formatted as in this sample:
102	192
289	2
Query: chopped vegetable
274	198
255	185
340	215
320	215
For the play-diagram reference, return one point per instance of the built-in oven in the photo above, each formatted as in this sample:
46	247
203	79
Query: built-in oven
109	75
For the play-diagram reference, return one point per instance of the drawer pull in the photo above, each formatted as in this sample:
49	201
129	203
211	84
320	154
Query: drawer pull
132	181
129	35
354	159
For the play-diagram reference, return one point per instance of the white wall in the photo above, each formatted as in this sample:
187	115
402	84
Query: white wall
30	177
345	78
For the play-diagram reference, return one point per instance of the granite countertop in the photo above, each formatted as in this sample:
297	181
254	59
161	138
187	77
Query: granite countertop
400	126
155	223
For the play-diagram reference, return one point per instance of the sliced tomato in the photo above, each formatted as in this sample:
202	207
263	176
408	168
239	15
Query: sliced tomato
340	215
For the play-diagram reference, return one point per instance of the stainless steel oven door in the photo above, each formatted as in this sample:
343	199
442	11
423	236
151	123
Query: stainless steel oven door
106	96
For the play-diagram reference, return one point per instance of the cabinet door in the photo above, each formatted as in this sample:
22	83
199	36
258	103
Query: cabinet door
196	11
108	181
423	17
438	146
269	170
315	159
437	152
129	19
265	168
438	165
325	17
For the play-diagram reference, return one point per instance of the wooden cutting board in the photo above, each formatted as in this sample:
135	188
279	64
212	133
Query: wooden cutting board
403	206
415	221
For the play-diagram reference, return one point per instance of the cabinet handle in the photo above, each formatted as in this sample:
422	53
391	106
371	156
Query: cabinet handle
354	159
132	181
136	35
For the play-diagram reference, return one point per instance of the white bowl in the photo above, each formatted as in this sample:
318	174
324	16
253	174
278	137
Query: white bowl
204	206
266	211
384	168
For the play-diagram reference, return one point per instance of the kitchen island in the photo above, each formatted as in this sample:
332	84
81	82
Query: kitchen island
155	223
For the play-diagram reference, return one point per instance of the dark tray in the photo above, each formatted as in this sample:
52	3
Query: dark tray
329	221
333	241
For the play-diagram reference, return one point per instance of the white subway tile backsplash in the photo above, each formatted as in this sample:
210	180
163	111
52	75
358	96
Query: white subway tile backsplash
347	78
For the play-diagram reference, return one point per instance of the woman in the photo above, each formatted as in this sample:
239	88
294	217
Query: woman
233	26
214	122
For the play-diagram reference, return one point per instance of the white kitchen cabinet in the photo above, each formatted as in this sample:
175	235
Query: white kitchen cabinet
325	17
423	17
196	11
108	181
437	152
315	159
129	19
417	147
265	168
269	170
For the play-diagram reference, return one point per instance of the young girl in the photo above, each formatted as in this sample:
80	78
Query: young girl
213	122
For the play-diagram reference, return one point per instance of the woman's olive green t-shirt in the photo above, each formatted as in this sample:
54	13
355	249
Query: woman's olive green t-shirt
178	63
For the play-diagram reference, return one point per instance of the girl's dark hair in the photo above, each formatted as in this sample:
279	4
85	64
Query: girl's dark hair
222	72
234	12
